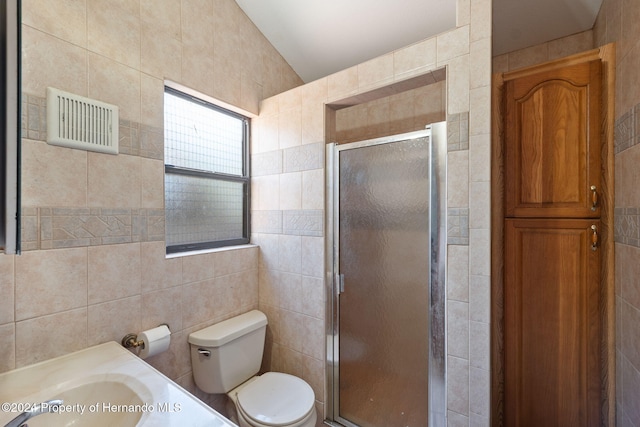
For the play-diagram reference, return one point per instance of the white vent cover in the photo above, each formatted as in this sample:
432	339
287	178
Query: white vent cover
78	122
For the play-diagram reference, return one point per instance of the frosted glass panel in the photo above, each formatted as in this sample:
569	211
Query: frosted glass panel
202	209
384	310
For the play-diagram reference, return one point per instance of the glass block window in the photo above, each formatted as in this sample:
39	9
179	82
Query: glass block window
206	174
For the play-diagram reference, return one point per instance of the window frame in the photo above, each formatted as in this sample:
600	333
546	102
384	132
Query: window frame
245	179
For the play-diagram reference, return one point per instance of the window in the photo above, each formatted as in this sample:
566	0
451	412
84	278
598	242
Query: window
206	174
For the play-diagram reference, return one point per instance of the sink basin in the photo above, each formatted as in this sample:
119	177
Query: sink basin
104	403
105	385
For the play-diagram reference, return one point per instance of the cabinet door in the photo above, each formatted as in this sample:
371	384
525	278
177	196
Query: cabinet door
552	143
551	325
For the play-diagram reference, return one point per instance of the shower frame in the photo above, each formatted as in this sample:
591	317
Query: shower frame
437	402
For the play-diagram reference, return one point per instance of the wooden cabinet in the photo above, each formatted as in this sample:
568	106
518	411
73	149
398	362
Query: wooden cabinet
552	256
552	323
552	150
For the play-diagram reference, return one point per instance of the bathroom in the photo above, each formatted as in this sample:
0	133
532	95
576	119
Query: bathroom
63	294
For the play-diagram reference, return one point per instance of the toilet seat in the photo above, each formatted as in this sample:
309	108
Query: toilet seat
276	399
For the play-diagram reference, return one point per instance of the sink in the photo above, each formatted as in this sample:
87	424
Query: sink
105	385
97	404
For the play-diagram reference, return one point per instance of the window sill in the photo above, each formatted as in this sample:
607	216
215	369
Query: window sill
208	251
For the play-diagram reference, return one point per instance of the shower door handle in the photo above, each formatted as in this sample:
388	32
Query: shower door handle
339	283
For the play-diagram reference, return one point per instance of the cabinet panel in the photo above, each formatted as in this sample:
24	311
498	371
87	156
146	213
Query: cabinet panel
552	328
552	143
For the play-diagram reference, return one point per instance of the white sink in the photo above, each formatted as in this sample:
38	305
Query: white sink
105	385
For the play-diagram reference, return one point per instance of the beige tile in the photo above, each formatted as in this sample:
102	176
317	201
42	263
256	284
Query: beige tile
480	158
198	303
46	16
313	187
452	44
480	205
480	299
458	273
7	289
46	337
479	252
290	289
114	181
160	54
313	297
630	318
265	193
289	255
479	394
480	64
49	61
198	267
291	332
463	12
265	134
114	272
53	176
163	306
268	287
458	329
235	261
250	95
458	179
313	337
627	176
151	174
480	340
152	101
481	20
290	128
458	385
480	111
313	374
114	30
112	82
312	254
313	119
570	45
376	73
528	56
157	271
8	347
111	321
163	16
458	85
627	273
414	59
342	84
290	191
50	282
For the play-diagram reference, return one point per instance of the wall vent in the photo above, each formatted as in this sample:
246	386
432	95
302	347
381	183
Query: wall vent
77	122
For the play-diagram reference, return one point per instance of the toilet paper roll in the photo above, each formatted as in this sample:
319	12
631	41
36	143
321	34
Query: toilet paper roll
155	340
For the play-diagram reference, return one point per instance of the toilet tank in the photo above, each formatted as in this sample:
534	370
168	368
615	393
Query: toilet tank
228	353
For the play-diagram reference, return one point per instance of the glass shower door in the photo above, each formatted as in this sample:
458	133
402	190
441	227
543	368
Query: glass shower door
384	269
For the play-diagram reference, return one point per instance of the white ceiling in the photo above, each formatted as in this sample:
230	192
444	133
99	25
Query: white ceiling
321	37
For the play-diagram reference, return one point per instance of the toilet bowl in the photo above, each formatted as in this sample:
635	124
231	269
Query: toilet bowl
274	399
226	358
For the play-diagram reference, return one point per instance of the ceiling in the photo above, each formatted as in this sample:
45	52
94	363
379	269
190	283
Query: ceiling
321	37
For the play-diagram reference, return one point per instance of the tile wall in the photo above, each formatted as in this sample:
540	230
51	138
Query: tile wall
94	265
292	126
618	22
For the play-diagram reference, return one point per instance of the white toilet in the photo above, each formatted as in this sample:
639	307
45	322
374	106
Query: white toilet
226	358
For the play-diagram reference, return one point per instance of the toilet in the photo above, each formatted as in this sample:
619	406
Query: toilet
226	357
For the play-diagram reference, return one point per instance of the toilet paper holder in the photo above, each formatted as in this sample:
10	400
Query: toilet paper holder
131	340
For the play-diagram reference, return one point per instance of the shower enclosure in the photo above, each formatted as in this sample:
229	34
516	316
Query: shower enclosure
385	275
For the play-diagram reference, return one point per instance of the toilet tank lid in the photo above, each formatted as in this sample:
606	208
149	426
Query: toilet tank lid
228	330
